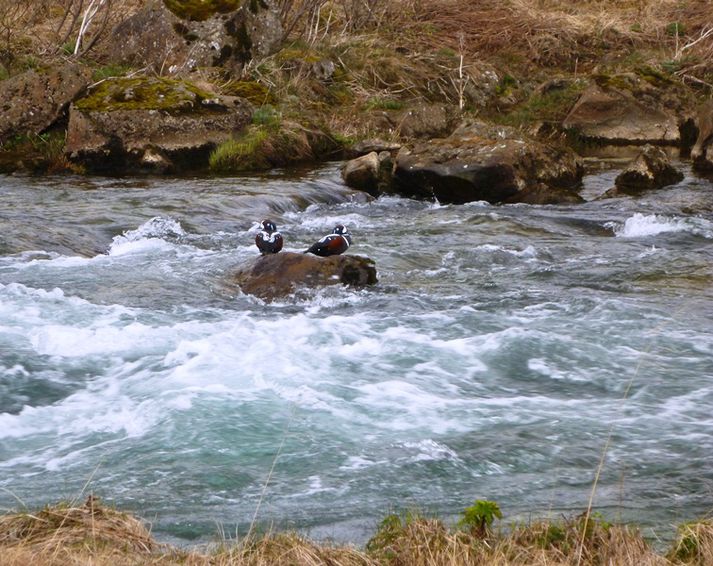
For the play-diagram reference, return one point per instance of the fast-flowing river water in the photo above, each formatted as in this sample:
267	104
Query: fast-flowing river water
499	350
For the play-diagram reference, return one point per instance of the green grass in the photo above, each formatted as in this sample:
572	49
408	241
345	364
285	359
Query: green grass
241	154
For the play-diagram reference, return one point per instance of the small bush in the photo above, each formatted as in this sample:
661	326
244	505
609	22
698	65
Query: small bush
479	517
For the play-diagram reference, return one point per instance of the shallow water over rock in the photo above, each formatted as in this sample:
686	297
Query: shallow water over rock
500	348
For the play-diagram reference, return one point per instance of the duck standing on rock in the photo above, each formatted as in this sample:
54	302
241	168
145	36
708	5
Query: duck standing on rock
332	244
268	240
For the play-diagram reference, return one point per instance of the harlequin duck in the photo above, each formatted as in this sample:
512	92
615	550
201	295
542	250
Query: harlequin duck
332	244
268	240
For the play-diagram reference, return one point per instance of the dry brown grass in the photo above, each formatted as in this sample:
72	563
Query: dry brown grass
551	32
69	535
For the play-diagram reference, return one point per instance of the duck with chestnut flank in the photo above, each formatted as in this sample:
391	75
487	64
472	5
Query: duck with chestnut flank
268	240
332	244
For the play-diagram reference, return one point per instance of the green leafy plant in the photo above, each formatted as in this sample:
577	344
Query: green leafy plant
675	29
268	116
479	517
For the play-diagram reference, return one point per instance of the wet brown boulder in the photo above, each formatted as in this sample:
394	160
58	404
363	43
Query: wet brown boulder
273	276
702	151
624	110
176	36
651	169
491	163
32	101
150	125
370	173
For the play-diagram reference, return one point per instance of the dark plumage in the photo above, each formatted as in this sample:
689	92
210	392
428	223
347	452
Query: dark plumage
332	244
268	240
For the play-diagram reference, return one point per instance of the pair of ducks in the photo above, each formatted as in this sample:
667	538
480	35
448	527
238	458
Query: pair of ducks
269	241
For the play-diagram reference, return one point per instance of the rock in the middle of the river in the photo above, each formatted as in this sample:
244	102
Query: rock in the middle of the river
276	275
491	163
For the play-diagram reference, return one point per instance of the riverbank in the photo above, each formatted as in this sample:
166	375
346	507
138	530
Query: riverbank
251	86
92	533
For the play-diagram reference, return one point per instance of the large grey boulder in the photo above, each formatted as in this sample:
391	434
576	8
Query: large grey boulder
32	101
175	37
702	151
273	276
491	163
613	115
150	125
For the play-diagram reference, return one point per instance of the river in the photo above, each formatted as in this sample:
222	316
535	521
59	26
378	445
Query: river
501	349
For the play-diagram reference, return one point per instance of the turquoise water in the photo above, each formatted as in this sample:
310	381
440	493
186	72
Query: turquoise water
501	347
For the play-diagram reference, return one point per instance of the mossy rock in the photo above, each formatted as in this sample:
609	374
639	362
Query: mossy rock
261	147
143	93
201	10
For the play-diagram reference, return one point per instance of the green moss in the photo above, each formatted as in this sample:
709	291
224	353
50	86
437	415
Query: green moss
620	82
298	52
200	10
262	147
253	91
143	94
379	103
654	76
505	85
241	154
551	106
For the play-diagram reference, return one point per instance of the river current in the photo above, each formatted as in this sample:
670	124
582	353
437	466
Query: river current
501	348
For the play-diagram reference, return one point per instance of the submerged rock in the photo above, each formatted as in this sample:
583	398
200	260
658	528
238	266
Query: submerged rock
492	163
702	151
153	125
273	276
32	101
651	169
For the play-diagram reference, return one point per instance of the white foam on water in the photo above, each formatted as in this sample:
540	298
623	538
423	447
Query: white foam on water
548	369
641	225
430	450
323	224
151	235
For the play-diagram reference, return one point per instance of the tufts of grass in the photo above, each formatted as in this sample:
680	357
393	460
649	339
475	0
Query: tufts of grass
109	71
72	534
548	106
256	93
693	544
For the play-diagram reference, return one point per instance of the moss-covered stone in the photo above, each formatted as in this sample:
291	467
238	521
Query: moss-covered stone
200	10
143	93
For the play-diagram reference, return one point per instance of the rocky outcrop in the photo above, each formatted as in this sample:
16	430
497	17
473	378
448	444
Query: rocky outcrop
702	151
32	101
491	163
150	125
629	113
179	36
273	276
651	169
